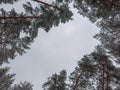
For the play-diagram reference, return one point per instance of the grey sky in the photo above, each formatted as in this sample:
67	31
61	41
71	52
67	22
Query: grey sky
51	52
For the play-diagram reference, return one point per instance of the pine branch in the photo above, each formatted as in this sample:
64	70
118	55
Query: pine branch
23	17
18	17
46	4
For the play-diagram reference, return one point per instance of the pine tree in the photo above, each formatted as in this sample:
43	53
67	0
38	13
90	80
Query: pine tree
56	82
83	77
18	30
22	86
6	80
95	72
97	10
106	15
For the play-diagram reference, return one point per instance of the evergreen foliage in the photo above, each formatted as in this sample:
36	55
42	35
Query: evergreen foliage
106	15
18	30
95	71
8	1
22	86
5	79
56	82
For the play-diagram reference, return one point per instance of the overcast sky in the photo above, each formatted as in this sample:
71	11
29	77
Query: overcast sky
58	49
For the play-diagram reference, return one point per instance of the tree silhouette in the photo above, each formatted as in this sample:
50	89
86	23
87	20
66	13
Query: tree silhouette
8	1
79	78
106	15
56	82
95	72
18	30
6	80
22	86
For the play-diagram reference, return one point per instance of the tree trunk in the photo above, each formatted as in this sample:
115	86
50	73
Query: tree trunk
113	3
107	79
103	70
77	80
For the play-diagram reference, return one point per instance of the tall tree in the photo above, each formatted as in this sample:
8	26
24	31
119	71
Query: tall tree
56	82
95	72
106	14
18	30
83	77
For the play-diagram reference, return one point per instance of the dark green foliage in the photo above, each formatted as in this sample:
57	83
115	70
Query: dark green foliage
95	72
107	69
106	14
97	9
84	75
8	1
56	82
22	86
12	38
18	30
52	16
5	79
